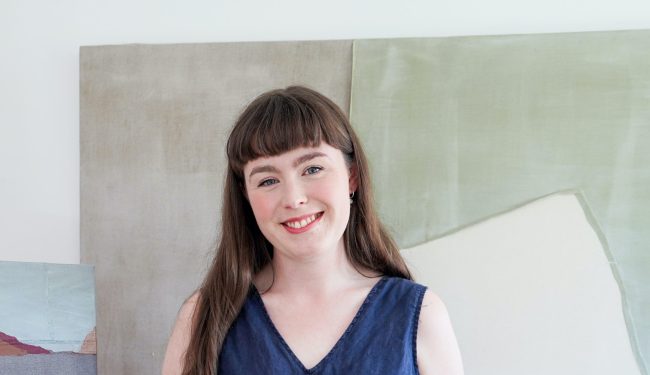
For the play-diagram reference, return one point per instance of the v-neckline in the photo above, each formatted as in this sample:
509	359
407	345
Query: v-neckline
346	333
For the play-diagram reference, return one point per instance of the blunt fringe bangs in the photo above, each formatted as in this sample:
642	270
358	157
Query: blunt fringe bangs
283	120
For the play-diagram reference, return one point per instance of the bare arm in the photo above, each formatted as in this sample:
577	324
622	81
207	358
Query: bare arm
180	338
437	349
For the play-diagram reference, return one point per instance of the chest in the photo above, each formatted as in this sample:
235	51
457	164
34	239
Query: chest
374	336
311	330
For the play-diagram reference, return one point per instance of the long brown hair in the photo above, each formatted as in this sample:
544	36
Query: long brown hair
276	122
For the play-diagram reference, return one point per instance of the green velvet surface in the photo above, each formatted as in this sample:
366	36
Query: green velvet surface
460	129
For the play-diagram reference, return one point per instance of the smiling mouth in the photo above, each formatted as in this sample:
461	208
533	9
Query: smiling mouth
303	223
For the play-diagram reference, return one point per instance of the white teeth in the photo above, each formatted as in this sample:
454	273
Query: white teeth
302	223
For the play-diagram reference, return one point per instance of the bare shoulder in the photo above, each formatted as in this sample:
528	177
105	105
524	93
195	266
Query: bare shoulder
437	348
180	337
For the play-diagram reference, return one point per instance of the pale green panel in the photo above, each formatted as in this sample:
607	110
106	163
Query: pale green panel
459	129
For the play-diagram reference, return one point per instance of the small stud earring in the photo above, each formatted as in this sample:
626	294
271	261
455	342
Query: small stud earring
351	197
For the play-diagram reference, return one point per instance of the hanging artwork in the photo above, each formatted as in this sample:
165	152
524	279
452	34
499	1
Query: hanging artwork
460	129
154	121
47	319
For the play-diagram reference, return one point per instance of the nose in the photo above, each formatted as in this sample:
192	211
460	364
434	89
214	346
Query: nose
294	195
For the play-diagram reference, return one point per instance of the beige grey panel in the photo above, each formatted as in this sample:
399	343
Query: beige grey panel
153	124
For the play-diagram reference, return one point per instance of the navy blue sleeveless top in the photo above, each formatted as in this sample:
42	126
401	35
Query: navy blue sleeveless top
380	339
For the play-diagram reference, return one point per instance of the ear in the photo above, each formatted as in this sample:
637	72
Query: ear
353	180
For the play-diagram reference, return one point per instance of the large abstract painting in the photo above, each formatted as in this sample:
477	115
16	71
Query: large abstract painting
462	135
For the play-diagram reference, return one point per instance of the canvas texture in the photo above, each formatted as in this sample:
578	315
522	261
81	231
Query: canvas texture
154	121
475	126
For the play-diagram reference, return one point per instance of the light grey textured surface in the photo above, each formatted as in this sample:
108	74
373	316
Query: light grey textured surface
49	364
153	124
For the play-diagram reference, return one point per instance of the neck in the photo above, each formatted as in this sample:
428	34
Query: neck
320	274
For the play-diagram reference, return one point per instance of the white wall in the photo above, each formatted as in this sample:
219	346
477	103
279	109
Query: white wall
39	95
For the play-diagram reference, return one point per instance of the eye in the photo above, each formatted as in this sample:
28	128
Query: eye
313	170
267	182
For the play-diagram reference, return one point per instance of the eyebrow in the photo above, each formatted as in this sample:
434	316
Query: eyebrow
297	162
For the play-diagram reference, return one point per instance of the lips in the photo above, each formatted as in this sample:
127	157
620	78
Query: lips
302	223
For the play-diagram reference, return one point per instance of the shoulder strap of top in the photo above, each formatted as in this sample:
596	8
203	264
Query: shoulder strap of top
383	339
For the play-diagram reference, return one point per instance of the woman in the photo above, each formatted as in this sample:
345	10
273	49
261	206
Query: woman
305	278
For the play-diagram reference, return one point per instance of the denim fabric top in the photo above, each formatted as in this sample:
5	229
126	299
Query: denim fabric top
380	339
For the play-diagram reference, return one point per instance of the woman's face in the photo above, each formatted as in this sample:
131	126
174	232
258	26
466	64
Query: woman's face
301	199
